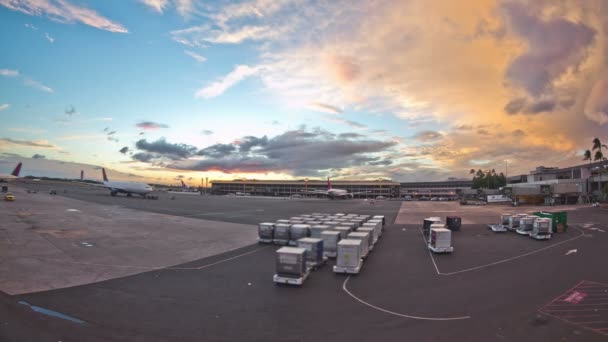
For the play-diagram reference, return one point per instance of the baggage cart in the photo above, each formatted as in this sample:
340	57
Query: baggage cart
265	232
440	240
291	266
349	257
281	234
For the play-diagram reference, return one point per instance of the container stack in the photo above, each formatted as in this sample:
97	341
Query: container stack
364	237
291	266
265	232
427	222
514	221
373	236
314	251
316	230
349	257
281	234
453	223
298	231
526	225
330	243
343	231
440	240
541	229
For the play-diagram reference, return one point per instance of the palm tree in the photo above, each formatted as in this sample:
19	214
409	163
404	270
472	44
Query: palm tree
599	156
587	156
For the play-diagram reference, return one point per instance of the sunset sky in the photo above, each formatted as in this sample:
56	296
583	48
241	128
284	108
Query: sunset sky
407	90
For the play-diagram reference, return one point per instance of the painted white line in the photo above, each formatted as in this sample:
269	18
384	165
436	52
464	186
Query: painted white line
225	212
152	267
430	254
515	257
396	313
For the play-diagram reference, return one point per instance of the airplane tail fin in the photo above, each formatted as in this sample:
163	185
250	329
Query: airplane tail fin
16	170
105	176
328	184
183	184
81	175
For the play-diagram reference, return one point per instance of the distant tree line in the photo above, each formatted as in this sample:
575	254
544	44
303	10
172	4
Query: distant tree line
487	179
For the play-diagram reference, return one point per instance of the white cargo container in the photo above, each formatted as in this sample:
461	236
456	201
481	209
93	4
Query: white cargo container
330	243
373	236
331	224
436	226
291	266
376	226
342	230
281	234
350	225
380	217
283	221
298	231
514	221
357	222
349	257
314	251
440	240
542	229
296	222
364	217
526	225
339	214
316	230
365	237
265	232
379	222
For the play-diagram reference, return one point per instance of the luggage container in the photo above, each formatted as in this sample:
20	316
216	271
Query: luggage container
314	252
379	217
357	222
343	231
281	234
364	217
265	232
440	240
349	257
369	239
283	221
291	266
339	214
339	220
453	223
514	221
376	226
559	219
330	243
297	218
427	222
298	231
504	219
331	224
542	229
379	222
315	222
373	235
526	225
296	222
306	216
316	230
350	225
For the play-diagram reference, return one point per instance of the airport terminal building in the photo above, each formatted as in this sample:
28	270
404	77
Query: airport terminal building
284	188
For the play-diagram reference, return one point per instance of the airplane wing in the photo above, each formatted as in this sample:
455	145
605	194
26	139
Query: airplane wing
93	184
359	193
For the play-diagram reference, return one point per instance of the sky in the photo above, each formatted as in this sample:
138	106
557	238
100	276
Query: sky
289	89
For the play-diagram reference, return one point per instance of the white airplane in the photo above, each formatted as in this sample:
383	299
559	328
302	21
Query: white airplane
334	193
128	188
12	176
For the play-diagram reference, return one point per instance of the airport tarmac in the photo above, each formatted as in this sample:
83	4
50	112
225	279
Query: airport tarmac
494	287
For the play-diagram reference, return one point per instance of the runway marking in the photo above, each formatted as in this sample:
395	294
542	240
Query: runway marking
51	312
225	212
154	267
396	313
504	260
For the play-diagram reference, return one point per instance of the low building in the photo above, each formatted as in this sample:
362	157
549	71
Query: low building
371	189
449	188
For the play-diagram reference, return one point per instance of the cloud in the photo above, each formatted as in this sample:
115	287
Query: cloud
195	55
296	152
164	149
9	73
326	108
38	156
4	106
143	157
596	105
149	125
351	135
553	47
483	132
64	12
201	35
206	132
428	135
113	139
218	87
37	85
518	133
124	150
463	127
343	121
27	143
526	106
31	27
49	37
156	5
184	7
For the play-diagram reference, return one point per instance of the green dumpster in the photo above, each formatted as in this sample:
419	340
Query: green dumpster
559	219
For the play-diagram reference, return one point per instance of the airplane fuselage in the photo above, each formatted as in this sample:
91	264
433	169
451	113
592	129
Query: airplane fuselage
339	193
128	188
